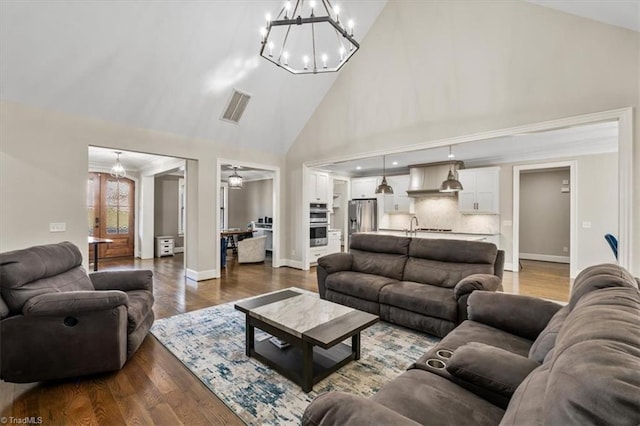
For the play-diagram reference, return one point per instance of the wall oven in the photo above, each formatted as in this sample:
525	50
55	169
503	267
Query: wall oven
318	224
318	234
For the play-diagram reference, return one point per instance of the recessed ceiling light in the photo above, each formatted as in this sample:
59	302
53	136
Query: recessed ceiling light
359	168
395	163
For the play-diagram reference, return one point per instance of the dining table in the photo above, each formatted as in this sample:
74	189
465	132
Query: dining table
94	242
232	234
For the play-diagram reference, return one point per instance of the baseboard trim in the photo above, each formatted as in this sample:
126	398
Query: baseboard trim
201	275
545	257
178	249
509	267
291	263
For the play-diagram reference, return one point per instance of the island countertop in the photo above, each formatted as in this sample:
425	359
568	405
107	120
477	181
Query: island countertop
442	235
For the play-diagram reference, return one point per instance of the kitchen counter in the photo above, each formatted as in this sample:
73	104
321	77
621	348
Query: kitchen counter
440	235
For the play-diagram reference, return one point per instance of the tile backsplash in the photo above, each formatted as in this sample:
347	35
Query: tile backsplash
442	212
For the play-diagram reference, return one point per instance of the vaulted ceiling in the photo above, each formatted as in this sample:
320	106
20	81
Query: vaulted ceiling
171	65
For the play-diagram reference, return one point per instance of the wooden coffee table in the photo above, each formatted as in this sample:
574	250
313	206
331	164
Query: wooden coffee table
314	328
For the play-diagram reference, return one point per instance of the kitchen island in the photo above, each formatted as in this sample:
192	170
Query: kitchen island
491	238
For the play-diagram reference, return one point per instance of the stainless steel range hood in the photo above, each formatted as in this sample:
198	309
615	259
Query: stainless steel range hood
425	179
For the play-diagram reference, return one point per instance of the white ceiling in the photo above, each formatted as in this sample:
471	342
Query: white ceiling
165	65
170	65
621	13
568	142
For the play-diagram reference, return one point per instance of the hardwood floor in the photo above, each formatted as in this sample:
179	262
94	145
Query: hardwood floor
154	387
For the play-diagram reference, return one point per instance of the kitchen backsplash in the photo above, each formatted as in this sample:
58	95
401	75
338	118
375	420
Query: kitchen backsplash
442	212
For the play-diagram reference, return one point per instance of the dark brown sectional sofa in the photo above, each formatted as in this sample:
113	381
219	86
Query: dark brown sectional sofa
419	283
518	360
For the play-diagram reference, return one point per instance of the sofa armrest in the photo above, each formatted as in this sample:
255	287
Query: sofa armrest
329	264
73	302
491	368
123	280
338	408
474	282
523	316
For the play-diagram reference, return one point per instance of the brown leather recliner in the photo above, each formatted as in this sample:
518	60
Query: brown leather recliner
57	322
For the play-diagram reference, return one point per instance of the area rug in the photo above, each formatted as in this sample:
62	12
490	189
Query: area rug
211	343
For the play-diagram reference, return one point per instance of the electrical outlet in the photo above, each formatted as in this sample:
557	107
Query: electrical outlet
293	252
57	227
565	181
586	225
507	223
565	249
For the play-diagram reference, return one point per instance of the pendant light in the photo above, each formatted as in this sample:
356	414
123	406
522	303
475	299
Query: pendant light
117	171
451	184
235	180
384	188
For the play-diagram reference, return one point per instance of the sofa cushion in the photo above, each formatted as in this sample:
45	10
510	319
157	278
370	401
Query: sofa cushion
383	255
380	243
358	284
600	276
526	406
471	331
424	299
490	368
441	274
455	251
547	338
39	270
433	400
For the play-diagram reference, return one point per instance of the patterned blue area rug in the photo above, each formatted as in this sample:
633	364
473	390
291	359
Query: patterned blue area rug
211	343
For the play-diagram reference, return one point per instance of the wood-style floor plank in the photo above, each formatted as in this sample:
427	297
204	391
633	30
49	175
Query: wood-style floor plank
154	387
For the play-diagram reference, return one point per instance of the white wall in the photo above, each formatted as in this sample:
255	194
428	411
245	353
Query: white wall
43	177
253	201
432	70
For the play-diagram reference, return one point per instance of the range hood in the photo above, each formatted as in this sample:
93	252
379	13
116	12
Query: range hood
425	179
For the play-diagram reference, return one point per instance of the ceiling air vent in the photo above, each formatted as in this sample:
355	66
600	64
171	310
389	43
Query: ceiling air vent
236	106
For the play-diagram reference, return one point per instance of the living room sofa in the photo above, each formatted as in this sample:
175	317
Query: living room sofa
419	283
58	322
517	361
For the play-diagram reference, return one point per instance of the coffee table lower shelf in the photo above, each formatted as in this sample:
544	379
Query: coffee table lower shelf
290	361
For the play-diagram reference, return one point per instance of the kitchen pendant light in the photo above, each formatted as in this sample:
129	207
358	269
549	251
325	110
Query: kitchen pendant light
235	180
451	184
384	188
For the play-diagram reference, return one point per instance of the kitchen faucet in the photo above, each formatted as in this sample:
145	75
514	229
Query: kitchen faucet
411	230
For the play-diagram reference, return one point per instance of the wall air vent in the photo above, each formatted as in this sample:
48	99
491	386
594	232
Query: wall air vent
235	107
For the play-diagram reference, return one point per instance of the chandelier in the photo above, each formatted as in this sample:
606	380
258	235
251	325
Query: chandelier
235	180
316	43
117	171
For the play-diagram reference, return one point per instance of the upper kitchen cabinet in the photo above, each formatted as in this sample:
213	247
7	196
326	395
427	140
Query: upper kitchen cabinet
399	202
481	189
319	189
364	187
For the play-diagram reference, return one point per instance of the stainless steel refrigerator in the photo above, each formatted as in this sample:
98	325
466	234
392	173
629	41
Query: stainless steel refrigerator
363	216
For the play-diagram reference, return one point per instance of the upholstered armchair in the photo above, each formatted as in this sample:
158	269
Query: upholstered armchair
57	322
251	250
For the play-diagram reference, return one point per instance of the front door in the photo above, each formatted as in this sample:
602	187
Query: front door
110	203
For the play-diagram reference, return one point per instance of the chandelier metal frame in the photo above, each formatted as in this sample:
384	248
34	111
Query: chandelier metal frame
281	59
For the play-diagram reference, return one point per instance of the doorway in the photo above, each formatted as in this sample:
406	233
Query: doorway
111	206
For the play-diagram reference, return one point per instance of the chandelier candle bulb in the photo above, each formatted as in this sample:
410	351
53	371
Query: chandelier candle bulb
324	60
336	10
270	48
305	59
351	24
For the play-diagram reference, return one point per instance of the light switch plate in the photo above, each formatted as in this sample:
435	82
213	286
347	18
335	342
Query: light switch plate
507	223
57	227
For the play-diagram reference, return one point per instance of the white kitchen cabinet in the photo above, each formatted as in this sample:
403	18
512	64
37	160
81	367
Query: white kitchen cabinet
398	202
316	253
318	189
334	237
364	187
481	190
